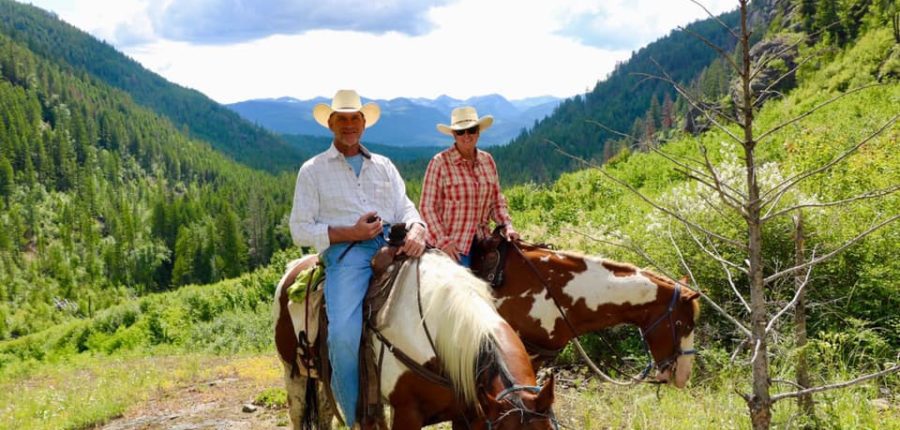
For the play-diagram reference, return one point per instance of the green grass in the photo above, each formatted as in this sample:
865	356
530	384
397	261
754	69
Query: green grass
85	389
714	404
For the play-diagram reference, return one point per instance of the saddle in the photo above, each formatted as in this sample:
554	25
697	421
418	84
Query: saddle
489	257
307	351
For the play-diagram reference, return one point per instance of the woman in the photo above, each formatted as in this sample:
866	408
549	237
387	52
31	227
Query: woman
461	190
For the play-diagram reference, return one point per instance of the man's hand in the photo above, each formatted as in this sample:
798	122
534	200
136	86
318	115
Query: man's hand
367	226
414	244
510	233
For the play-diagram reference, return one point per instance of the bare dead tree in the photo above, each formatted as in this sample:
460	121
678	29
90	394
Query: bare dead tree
802	370
756	207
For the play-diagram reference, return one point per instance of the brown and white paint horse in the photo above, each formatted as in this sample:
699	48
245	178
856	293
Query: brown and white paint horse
551	296
492	384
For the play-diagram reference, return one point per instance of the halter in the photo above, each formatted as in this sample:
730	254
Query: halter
525	415
678	352
668	362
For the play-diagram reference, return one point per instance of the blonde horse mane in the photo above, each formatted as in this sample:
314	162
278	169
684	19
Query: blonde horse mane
464	319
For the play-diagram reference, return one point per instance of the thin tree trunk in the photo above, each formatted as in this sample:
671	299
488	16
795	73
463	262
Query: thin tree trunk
760	403
804	402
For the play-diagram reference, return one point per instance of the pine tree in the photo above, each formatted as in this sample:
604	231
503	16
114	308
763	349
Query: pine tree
668	112
7	178
232	250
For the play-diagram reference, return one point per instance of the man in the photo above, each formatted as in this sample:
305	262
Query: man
341	199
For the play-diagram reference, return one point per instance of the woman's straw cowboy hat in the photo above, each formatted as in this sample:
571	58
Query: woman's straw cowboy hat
465	117
346	101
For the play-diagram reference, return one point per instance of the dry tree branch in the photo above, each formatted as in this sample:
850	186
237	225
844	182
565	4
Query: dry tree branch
755	351
869	195
681	256
738	349
794	300
818	260
695	104
725	263
787	184
715	254
718	182
629	246
719	210
725	26
715	47
788	73
734	288
814	109
785	381
812	390
762	64
646	199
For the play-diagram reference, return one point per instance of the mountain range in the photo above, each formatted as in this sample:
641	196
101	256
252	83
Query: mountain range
404	121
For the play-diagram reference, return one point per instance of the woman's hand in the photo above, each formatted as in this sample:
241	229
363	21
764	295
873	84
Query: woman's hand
414	243
510	233
450	249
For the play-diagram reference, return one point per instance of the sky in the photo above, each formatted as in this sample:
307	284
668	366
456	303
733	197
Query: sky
235	50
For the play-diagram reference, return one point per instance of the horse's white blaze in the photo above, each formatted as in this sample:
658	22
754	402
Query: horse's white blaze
599	286
685	362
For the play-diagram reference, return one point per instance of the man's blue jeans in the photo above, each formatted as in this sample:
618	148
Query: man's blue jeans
346	282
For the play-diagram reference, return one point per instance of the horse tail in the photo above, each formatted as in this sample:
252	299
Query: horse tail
310	417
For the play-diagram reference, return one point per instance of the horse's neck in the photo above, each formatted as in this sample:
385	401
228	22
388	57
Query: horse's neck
401	320
597	293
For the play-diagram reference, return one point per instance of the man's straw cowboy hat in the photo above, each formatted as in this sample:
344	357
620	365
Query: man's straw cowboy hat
346	101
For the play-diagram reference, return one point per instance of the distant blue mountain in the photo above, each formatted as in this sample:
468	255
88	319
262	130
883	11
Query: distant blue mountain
404	121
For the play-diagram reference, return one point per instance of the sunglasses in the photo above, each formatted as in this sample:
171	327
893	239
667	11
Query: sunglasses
470	130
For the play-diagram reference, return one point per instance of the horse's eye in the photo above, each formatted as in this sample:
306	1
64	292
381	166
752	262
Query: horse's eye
677	322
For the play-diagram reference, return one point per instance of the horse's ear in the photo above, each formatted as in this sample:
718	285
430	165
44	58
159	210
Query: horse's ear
688	293
545	398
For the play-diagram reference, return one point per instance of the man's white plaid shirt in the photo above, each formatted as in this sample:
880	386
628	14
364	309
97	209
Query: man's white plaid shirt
329	193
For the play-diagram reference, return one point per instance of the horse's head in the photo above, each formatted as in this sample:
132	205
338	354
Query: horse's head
521	407
669	333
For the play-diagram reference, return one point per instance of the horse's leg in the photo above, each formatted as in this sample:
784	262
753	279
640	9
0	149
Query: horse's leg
296	396
326	408
296	389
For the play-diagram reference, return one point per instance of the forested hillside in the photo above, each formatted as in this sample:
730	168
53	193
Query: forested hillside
623	101
190	111
102	199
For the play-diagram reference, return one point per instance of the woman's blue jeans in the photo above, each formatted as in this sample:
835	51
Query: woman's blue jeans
346	282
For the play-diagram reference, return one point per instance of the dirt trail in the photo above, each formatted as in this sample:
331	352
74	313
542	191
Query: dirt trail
223	400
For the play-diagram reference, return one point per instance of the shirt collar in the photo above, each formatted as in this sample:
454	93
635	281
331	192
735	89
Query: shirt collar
457	158
333	153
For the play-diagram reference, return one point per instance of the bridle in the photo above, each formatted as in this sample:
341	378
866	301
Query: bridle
661	366
525	415
677	351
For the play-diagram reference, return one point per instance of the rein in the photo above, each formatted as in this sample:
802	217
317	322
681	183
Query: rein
521	410
650	364
409	362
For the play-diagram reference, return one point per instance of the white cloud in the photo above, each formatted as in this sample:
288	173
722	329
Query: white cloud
473	47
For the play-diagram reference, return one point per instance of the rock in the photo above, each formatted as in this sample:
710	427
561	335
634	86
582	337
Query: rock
781	58
881	404
249	408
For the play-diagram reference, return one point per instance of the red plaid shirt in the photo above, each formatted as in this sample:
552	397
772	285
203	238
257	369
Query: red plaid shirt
459	197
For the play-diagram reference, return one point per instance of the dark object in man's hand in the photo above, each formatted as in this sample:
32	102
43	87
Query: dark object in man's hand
372	219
